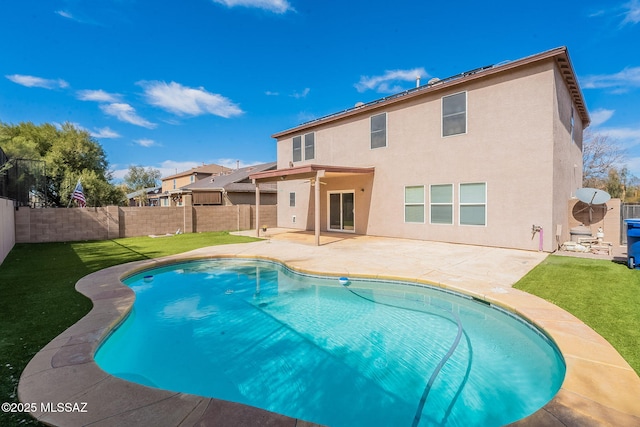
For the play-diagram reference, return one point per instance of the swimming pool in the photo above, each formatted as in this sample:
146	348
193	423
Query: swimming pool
369	353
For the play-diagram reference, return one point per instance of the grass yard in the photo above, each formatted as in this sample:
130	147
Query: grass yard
38	299
603	294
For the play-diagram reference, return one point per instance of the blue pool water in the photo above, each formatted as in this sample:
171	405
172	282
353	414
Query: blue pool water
371	353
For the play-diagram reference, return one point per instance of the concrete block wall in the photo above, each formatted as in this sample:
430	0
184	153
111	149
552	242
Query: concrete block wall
268	216
7	228
222	218
147	220
76	224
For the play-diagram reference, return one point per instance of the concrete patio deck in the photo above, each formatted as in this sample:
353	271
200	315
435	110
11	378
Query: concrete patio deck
600	388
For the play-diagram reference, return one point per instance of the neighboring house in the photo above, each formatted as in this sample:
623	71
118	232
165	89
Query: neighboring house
235	188
172	195
483	158
144	197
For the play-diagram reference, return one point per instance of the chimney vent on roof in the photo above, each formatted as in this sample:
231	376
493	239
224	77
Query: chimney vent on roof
417	81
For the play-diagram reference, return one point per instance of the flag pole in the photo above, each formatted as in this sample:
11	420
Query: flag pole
71	197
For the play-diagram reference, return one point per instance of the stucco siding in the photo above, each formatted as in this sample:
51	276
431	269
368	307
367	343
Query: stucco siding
515	142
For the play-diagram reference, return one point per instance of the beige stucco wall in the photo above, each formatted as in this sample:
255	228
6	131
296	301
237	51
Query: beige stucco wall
7	228
516	123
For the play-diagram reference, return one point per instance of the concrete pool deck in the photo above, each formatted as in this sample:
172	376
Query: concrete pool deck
600	388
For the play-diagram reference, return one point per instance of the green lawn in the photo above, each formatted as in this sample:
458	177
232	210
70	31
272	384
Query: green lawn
603	294
38	299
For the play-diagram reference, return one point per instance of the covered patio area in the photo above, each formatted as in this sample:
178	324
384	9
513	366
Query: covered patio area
317	175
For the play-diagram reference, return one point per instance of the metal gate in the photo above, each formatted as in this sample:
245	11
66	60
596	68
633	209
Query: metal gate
627	210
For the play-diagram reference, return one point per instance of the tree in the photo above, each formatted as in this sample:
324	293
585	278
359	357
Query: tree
69	154
139	178
600	154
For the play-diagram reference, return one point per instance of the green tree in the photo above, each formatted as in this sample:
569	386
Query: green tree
139	178
69	154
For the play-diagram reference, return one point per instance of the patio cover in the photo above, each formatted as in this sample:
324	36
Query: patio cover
312	172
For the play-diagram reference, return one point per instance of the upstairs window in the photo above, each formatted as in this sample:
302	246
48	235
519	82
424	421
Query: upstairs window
297	148
379	130
309	146
454	114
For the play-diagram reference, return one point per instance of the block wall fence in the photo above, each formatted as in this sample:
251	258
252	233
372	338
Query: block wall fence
7	227
111	222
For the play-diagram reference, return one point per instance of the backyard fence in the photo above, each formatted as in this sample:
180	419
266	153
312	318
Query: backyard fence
110	222
629	210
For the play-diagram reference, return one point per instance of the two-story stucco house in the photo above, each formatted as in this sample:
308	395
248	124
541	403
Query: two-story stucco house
488	157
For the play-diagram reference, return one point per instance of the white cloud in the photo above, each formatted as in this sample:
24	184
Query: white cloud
105	132
632	12
620	81
271	93
183	100
600	116
98	96
302	94
64	14
628	136
388	82
145	142
126	113
276	6
32	81
171	167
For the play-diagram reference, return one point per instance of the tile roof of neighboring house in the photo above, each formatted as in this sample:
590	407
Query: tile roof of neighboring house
237	181
560	55
211	169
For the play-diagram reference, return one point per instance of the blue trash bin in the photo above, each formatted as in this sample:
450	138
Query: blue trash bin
633	242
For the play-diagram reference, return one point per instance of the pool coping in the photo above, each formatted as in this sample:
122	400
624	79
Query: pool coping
600	388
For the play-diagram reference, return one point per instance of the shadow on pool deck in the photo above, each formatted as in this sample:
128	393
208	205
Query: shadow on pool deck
600	388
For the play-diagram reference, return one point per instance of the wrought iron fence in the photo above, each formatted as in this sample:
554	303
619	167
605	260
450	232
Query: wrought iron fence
628	210
23	180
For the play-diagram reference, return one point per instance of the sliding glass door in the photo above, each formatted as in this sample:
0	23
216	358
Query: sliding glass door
342	211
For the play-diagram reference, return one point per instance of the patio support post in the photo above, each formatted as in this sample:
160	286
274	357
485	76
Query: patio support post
319	174
257	208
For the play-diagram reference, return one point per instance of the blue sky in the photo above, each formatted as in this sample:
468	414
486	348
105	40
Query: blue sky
174	84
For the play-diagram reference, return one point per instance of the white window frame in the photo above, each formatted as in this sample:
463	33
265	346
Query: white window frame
461	204
371	132
423	204
466	115
432	203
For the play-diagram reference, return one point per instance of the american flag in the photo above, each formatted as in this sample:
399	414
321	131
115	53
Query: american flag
78	195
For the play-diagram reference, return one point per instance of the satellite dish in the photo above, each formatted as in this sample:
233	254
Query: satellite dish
592	196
